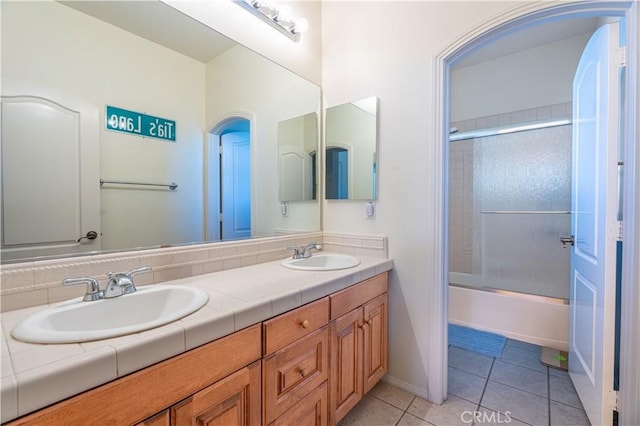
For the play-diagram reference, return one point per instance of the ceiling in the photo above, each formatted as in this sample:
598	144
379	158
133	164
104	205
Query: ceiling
529	38
160	23
174	30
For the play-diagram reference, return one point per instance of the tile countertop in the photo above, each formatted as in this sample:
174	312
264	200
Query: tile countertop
36	375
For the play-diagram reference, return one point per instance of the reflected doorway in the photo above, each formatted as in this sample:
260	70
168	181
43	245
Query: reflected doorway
337	169
229	180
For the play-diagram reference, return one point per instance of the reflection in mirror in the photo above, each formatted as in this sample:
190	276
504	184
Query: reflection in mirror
351	156
297	149
154	67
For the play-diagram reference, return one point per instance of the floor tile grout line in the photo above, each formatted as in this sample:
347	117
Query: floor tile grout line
520	365
468	372
406	410
388	403
516	388
486	383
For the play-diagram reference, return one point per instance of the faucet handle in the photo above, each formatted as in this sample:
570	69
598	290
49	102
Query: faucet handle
141	270
296	251
93	288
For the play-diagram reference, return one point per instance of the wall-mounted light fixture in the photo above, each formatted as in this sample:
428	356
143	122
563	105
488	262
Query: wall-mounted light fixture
279	19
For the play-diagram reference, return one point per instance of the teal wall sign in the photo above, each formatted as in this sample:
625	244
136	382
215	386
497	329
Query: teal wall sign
135	123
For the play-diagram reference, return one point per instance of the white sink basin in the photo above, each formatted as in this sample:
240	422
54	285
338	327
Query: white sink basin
77	321
322	262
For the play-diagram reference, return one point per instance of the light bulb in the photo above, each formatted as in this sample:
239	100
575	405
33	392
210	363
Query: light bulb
284	14
267	9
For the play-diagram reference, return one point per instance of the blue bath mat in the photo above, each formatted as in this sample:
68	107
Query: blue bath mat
475	340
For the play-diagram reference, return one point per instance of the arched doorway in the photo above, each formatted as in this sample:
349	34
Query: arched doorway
524	17
229	180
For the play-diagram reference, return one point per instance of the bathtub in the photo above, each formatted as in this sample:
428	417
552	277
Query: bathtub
539	320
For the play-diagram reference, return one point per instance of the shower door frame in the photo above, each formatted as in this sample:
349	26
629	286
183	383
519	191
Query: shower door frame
520	17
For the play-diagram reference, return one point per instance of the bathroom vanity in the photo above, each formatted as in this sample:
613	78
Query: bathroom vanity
307	365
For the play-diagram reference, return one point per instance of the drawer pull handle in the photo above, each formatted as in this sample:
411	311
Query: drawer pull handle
303	372
305	323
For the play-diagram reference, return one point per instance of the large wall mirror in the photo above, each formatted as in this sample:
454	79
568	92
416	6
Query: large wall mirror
148	114
351	150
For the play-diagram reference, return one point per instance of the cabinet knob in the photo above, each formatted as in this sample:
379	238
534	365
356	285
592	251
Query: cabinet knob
303	371
305	323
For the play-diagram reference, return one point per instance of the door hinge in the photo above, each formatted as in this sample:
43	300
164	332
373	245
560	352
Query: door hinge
620	57
220	217
619	230
219	149
612	399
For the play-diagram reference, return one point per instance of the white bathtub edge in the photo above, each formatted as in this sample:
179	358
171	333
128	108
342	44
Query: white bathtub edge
532	321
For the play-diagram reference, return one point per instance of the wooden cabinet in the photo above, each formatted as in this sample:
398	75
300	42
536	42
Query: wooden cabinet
163	418
147	393
295	371
287	328
310	411
374	327
233	401
346	359
358	343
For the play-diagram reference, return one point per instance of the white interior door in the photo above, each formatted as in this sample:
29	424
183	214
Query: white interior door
236	185
50	172
594	224
295	170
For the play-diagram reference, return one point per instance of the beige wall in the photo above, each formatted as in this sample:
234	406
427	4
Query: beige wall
527	79
387	49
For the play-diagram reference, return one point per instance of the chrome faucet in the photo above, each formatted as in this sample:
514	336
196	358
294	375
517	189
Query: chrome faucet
302	252
93	288
122	283
118	285
306	250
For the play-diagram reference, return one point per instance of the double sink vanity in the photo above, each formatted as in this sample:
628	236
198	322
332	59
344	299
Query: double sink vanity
298	341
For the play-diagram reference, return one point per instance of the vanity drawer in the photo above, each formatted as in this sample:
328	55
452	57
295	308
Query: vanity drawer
284	329
293	372
359	294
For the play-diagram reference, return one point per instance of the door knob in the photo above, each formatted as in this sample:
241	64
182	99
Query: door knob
91	235
567	240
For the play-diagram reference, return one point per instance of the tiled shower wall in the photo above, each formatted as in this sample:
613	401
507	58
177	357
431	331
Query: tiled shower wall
461	206
40	282
461	177
555	111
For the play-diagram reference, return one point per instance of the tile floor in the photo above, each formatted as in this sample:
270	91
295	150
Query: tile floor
515	389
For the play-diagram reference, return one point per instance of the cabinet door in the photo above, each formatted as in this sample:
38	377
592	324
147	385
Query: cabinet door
346	364
311	411
375	341
163	418
293	372
233	401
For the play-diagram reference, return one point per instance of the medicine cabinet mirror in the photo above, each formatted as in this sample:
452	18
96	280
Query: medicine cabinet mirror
351	150
297	156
